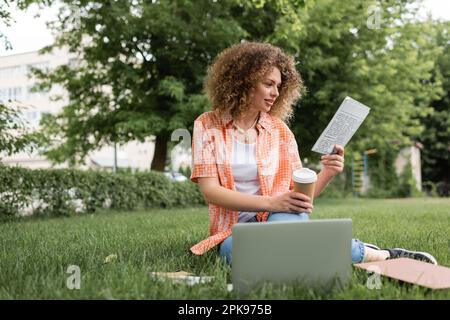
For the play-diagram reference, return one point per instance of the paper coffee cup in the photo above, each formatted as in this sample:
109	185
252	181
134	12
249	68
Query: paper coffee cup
305	181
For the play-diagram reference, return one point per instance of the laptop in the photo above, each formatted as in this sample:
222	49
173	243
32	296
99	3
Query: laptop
313	253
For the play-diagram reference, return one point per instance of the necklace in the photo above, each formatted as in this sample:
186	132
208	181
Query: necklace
245	132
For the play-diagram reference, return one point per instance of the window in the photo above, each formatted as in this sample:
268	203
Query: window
3	95
14	93
30	95
31	116
10	72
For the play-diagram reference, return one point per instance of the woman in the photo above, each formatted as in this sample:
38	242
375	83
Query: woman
244	153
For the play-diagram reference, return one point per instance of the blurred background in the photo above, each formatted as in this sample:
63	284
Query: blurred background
103	85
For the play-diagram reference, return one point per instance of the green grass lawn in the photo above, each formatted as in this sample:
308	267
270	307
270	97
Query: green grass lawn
36	252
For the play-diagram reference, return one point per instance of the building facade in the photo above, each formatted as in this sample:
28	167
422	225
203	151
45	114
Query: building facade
410	155
16	90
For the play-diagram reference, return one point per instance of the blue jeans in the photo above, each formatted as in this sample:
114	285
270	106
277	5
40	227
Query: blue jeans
226	246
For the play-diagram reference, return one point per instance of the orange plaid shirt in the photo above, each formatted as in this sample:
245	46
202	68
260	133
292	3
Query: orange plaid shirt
276	157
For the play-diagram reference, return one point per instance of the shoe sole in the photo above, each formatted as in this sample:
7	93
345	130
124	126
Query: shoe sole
426	254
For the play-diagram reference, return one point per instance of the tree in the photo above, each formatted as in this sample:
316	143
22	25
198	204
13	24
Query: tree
373	51
142	68
143	65
436	136
141	71
14	135
384	61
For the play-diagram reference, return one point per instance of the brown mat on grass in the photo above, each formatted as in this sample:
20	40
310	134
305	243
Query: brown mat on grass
411	271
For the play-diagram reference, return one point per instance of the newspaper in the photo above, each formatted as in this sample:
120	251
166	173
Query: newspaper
341	128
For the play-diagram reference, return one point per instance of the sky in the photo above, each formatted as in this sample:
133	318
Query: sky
29	33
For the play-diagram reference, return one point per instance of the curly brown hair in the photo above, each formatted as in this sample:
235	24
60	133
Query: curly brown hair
237	69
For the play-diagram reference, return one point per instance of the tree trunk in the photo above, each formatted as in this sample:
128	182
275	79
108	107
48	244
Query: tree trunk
159	159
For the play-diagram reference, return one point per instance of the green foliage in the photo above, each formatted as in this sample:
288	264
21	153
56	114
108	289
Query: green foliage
429	188
387	67
443	188
186	171
383	177
14	136
65	192
141	72
407	184
340	187
435	139
385	183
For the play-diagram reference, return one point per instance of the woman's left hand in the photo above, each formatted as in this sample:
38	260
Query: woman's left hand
333	164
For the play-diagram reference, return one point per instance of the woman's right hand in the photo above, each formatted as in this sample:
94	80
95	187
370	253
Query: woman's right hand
292	201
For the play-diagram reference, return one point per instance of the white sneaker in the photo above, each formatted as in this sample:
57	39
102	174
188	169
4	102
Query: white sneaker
416	255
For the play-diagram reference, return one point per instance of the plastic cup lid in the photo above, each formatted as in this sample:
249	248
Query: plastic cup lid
304	175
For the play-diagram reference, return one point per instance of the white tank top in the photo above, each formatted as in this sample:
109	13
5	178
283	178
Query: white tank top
245	172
